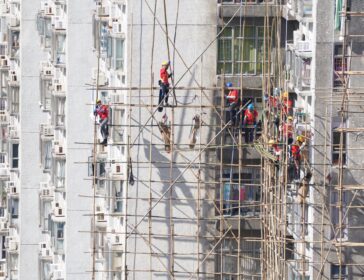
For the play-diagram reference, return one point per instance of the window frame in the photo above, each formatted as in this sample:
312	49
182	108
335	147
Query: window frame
235	47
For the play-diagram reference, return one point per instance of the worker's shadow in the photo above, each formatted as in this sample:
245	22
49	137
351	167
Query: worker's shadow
163	165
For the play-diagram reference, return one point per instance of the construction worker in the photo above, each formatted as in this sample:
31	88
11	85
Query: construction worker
277	152
233	102
287	105
296	155
164	85
249	123
286	130
102	111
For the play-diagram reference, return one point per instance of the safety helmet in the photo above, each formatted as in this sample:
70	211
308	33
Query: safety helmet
98	101
290	118
272	142
251	107
300	138
229	84
285	94
165	63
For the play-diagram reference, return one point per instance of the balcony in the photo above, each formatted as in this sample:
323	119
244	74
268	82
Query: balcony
247	8
300	10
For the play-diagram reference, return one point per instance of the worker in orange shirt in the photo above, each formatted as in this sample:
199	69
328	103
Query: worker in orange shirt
295	150
249	123
164	85
233	102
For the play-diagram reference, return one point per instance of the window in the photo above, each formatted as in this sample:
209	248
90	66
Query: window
15	155
336	140
46	155
13	44
241	50
248	195
246	1
58	111
59	49
118	54
337	232
336	270
59	173
339	66
45	93
117	196
117	119
59	237
14	100
14	208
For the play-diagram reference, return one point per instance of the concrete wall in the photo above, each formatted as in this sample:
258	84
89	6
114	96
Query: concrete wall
196	29
30	118
79	128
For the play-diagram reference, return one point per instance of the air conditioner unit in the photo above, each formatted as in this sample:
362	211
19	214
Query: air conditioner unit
303	46
13	245
101	11
48	10
13	76
117	28
46	130
297	36
11	188
117	170
102	77
58	149
58	87
58	274
48	71
58	211
45	250
47	192
100	217
13	132
4	61
14	21
58	23
4	225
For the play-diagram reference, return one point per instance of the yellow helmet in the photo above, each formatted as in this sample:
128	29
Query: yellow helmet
272	142
165	63
300	138
290	118
285	94
98	101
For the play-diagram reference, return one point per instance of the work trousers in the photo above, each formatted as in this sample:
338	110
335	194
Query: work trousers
104	128
163	95
249	134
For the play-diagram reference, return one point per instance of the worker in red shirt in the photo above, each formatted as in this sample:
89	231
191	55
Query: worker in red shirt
164	85
102	111
296	155
249	123
287	104
233	102
286	129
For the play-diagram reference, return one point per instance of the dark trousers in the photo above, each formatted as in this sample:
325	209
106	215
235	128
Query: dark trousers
163	95
104	128
232	111
249	134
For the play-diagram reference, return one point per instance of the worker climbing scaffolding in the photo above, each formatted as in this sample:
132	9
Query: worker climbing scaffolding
102	112
233	103
250	121
164	85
